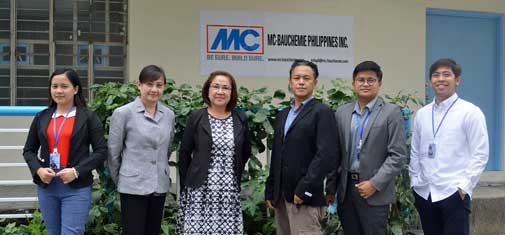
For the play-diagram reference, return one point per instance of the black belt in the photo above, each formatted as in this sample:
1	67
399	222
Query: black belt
354	176
157	194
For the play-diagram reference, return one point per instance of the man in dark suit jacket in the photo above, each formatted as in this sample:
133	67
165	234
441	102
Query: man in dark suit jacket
304	150
372	136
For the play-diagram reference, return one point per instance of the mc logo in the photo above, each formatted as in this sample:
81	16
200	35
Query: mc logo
235	39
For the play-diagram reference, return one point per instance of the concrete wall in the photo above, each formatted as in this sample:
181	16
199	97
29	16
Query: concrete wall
391	32
168	34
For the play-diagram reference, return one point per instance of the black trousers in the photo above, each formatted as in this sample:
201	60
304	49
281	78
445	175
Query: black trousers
446	217
360	218
141	214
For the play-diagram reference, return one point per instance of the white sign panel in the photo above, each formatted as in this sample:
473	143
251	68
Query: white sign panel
266	44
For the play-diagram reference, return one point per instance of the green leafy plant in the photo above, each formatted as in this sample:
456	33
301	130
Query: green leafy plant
170	218
402	214
33	226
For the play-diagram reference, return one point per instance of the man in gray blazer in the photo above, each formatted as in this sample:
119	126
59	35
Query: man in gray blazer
372	139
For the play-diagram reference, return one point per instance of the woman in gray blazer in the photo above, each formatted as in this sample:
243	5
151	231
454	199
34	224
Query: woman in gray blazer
140	136
214	150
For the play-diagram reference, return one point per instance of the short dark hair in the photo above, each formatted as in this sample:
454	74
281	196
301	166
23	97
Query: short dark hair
367	66
300	62
446	62
73	77
152	73
233	96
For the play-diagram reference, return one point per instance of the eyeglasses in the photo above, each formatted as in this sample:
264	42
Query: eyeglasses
216	87
369	81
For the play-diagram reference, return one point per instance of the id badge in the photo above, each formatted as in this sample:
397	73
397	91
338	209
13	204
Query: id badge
54	160
358	146
332	208
432	150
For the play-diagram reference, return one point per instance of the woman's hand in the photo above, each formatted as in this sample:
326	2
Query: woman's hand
66	175
46	175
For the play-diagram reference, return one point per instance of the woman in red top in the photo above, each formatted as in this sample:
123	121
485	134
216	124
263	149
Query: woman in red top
63	132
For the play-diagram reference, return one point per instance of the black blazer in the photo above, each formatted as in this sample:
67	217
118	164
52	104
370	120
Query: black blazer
87	130
302	158
194	153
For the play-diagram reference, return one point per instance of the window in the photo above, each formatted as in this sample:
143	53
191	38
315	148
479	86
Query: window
78	26
98	55
6	53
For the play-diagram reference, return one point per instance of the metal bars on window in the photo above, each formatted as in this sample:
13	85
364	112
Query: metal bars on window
39	36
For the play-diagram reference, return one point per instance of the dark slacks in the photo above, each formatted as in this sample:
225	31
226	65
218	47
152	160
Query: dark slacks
446	217
360	218
141	214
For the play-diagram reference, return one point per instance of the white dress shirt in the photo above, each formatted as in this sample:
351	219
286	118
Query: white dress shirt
462	149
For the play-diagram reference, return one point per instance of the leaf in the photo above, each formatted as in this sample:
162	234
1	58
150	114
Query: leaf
279	94
268	128
254	163
243	90
185	86
261	90
111	228
396	229
259	117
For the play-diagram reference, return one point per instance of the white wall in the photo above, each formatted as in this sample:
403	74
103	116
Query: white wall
391	32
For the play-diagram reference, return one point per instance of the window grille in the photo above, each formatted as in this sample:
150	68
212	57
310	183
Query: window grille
87	35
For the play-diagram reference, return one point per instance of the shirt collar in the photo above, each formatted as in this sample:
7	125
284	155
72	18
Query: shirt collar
71	114
292	104
446	103
370	105
139	106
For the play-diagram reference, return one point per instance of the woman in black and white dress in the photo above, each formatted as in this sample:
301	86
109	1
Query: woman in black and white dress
214	150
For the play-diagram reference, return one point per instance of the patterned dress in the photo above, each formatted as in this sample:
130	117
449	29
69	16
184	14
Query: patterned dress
214	208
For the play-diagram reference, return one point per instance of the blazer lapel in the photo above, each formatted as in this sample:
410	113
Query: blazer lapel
282	121
305	110
347	125
205	123
237	128
375	113
80	119
44	122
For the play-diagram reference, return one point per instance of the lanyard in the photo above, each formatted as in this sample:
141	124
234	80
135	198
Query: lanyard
57	134
441	121
361	130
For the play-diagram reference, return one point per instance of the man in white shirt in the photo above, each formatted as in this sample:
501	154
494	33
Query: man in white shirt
449	152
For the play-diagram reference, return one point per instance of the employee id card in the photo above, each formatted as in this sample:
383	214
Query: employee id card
54	160
332	208
432	150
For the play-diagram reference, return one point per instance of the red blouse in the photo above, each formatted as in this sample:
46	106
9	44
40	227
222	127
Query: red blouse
64	139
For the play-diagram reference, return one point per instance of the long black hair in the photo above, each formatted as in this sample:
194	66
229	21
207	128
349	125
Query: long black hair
73	77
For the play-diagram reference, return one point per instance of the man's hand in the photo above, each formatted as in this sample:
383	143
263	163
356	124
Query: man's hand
46	174
329	198
462	194
66	175
366	189
269	204
297	200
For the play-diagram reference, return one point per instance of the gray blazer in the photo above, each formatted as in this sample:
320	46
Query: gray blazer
383	152
139	148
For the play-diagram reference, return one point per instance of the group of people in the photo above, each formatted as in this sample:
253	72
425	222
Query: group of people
361	148
354	153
